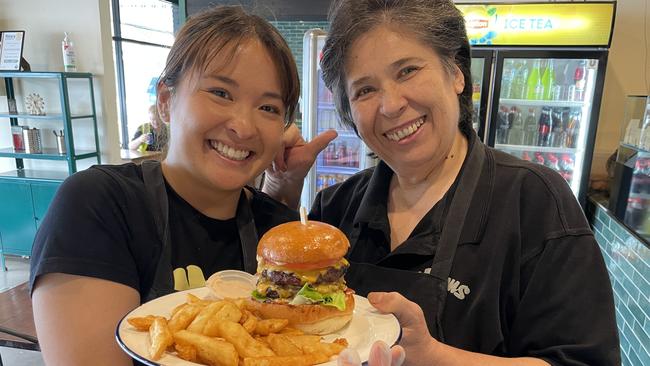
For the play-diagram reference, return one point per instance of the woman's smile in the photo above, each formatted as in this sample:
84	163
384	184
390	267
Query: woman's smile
230	152
406	130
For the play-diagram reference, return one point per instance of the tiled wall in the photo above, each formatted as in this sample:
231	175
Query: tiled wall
628	263
293	31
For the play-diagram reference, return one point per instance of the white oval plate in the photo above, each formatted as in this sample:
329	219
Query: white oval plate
366	327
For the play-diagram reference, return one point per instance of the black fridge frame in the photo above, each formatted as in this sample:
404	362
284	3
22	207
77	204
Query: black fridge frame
488	58
600	54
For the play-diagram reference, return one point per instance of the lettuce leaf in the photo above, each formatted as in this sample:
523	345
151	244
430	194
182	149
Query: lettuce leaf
307	295
257	296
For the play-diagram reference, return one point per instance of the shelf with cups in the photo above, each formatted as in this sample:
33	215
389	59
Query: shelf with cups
550	103
33	168
74	91
47	116
47	153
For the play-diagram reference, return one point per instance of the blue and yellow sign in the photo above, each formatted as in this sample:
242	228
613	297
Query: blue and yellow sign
550	24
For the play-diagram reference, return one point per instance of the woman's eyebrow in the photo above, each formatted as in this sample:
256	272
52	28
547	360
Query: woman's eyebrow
223	79
232	82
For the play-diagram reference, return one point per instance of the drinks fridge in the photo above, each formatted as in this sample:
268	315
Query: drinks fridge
547	73
344	156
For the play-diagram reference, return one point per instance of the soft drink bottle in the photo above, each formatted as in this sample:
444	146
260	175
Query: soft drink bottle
518	88
552	162
331	180
503	126
548	80
557	137
509	72
544	128
476	90
342	154
566	167
539	158
531	128
573	129
526	156
535	89
580	81
516	134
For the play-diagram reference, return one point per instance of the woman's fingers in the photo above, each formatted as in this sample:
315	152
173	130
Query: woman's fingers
398	355
380	355
320	142
407	312
348	357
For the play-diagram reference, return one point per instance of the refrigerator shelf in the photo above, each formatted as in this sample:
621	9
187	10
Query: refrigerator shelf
633	147
645	196
543	103
543	149
336	169
326	105
341	133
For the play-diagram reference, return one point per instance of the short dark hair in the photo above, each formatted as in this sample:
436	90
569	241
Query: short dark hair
436	23
211	31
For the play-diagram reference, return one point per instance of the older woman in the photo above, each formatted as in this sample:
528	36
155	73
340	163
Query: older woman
495	251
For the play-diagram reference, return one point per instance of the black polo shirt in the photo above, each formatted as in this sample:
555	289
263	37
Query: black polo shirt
536	283
373	245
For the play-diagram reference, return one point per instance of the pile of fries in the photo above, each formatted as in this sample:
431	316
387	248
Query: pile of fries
225	333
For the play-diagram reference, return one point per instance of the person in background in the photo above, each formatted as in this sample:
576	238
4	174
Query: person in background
484	258
116	236
150	136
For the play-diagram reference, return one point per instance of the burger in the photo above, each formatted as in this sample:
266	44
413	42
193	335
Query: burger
300	277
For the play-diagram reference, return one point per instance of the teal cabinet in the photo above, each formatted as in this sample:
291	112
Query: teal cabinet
23	207
42	195
17	227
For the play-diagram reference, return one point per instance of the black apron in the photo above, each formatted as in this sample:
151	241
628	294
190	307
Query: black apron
427	290
163	282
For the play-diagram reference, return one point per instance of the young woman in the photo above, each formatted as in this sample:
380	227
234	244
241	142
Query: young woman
494	252
118	236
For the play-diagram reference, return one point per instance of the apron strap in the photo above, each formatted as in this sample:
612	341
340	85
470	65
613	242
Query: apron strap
247	233
157	198
451	231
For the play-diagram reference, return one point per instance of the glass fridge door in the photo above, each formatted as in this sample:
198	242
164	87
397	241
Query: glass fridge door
544	112
345	155
481	68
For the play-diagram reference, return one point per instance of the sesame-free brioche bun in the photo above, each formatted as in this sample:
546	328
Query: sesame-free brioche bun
294	242
311	319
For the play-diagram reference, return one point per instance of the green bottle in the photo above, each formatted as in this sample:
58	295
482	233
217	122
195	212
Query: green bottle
535	89
548	80
146	129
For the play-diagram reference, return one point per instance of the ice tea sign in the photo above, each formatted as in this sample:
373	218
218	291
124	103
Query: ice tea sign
11	49
551	24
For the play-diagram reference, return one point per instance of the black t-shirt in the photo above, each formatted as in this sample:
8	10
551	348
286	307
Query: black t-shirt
100	225
532	276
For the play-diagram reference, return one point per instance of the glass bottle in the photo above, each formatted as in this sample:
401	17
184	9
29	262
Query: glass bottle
548	80
535	89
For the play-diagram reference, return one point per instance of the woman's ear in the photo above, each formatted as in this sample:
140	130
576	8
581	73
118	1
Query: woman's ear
459	80
164	101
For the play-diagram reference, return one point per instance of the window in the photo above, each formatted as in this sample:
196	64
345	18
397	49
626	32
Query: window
143	32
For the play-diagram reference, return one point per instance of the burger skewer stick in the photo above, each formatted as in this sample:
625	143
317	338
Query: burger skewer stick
303	215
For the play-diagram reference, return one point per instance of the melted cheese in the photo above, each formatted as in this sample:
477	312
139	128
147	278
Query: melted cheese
307	276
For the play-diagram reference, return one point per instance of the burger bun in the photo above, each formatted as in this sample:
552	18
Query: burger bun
309	318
